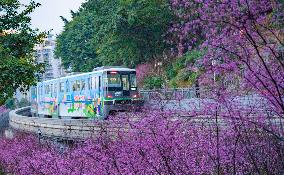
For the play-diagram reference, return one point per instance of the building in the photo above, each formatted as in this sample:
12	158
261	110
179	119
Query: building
44	53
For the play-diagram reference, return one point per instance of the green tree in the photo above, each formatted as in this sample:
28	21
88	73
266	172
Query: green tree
17	40
74	45
119	32
153	82
183	70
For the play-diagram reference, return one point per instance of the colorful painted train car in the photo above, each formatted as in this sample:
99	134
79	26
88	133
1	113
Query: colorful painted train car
87	95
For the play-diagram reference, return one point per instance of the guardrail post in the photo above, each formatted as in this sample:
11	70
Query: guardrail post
39	135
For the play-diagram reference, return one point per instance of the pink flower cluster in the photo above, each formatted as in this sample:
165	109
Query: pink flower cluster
142	71
243	41
155	144
3	109
225	135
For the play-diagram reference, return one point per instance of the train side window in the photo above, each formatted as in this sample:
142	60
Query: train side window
125	82
99	82
40	91
89	83
74	85
133	80
67	86
46	89
78	86
94	82
51	89
105	82
83	84
55	89
33	91
61	86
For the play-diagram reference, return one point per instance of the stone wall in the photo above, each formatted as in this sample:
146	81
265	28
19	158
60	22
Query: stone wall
59	128
4	120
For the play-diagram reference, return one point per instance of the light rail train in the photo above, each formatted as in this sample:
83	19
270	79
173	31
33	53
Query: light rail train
87	95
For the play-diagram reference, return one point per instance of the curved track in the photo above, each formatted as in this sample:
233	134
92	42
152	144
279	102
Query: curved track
60	128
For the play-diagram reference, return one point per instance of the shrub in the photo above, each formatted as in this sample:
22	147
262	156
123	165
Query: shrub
10	103
153	82
23	103
154	144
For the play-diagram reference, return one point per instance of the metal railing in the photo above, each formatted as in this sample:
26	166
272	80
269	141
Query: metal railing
170	94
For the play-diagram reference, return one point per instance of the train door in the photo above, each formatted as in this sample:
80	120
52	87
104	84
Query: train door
125	85
100	85
56	99
100	97
33	100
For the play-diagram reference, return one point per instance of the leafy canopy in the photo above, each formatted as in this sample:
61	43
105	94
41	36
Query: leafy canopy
17	40
120	32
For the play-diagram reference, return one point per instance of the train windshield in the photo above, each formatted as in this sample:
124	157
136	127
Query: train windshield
118	81
114	80
133	83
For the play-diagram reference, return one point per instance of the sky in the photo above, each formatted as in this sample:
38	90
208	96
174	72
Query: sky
47	16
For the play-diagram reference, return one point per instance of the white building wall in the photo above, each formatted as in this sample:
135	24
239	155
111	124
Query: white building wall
44	53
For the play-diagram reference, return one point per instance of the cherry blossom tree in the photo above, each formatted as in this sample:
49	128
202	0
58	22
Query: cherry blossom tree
236	129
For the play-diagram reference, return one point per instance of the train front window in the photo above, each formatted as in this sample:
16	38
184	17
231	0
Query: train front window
133	83
114	80
125	82
121	81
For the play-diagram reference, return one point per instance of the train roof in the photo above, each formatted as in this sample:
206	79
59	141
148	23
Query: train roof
96	70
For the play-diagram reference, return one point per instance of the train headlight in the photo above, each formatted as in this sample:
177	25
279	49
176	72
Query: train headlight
136	96
109	96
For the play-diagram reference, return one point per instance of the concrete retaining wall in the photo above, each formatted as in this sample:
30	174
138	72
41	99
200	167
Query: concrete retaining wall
61	128
4	120
84	128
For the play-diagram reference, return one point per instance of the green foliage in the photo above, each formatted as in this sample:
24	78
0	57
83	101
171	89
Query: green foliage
2	171
74	45
23	103
180	73
10	103
119	32
17	40
153	82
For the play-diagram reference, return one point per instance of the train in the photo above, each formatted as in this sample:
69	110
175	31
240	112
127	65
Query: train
95	94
